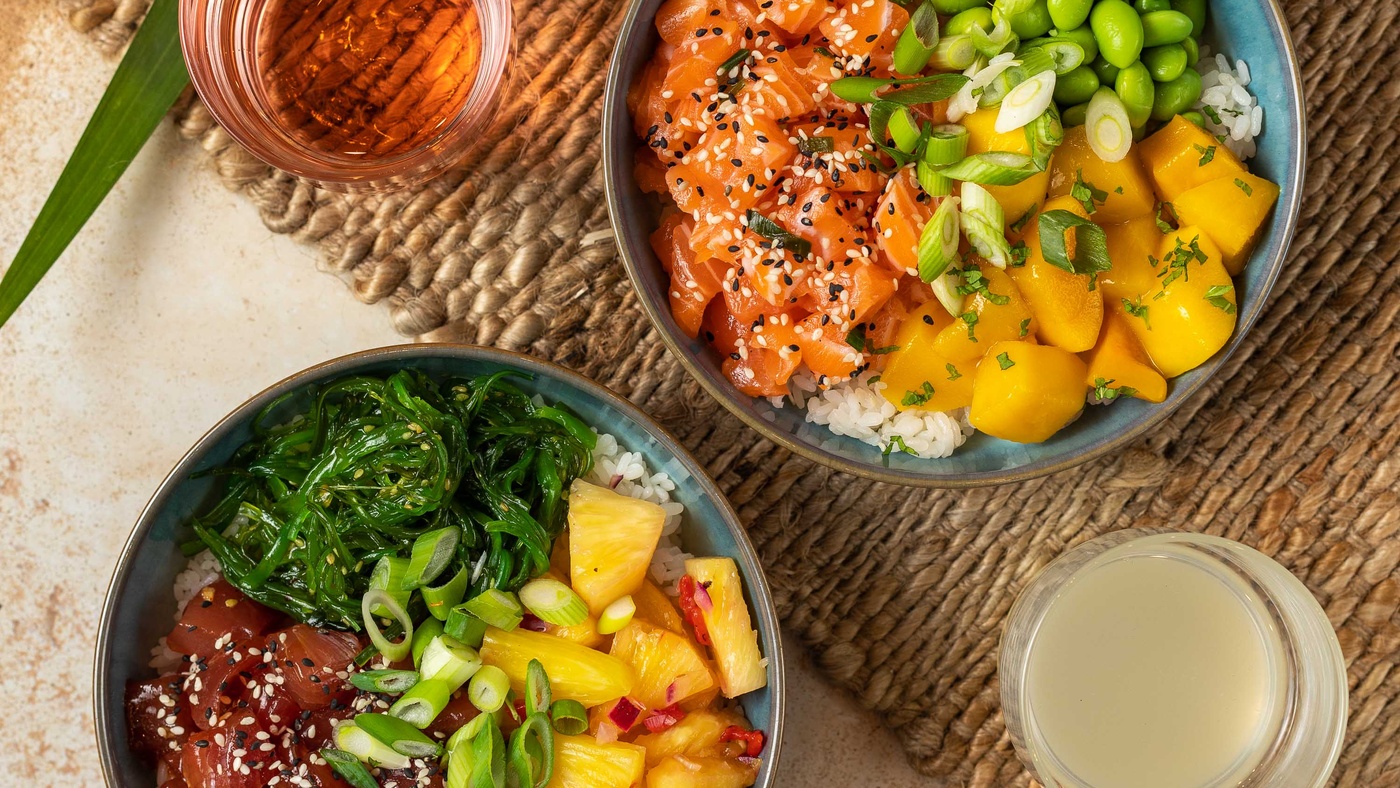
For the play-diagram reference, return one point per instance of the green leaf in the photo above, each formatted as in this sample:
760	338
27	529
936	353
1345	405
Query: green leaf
777	234
1216	297
148	80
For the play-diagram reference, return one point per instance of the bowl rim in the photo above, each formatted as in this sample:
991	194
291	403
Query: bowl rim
751	568
616	121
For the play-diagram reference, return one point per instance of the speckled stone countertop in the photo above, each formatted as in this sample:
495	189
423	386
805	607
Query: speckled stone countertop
173	306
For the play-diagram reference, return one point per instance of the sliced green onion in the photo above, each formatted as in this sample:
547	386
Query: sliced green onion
487	689
401	737
926	90
432	552
500	609
1034	61
465	627
349	768
1107	127
1044	135
353	739
391	682
489	757
954	53
932	180
467	732
422	637
947	144
569	716
532	751
460	759
983	223
945	289
441	599
916	43
538	693
1090	243
553	602
996	168
995	41
617	615
447	659
857	90
374	598
1026	102
904	130
938	243
1067	55
388	575
421	705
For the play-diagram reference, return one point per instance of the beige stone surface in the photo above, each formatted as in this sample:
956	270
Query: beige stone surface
173	306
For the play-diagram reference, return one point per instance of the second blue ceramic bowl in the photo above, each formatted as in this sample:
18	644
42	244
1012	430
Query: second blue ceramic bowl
140	605
1251	30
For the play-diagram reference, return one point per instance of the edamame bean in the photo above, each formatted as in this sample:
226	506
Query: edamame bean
1107	72
1175	97
1084	37
1134	87
1165	62
1193	50
1069	14
1195	117
951	7
1164	27
1196	11
1148	6
1119	31
1077	86
964	21
1074	116
1033	22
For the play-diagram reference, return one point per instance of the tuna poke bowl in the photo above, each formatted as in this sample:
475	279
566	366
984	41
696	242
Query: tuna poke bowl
427	566
953	242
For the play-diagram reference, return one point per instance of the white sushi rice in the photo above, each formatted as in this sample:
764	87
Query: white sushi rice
1231	112
624	471
857	409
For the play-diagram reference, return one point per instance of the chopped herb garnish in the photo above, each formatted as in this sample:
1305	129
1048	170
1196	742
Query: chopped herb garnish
975	282
1105	392
1206	154
777	234
1165	211
873	380
1216	296
1118	190
1091	244
916	398
1244	187
1017	225
856	338
970	318
1019	253
1087	195
897	444
733	62
825	52
880	351
1025	326
1212	114
811	146
1004	359
1138	310
953	373
1177	261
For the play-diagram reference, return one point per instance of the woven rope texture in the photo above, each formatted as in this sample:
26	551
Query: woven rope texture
899	593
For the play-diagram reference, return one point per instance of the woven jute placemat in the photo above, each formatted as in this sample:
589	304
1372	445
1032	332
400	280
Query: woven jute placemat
900	593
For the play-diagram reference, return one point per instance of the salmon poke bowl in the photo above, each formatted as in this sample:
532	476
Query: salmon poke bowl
953	242
438	566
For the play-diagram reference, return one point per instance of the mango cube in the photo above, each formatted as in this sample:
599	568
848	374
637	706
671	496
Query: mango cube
1026	393
1125	191
1182	156
1231	210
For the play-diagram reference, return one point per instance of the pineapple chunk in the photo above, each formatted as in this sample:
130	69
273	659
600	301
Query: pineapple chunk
587	676
611	541
584	633
669	667
679	771
581	762
654	607
697	734
741	667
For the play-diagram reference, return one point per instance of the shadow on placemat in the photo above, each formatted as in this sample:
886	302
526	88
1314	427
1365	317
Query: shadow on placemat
901	593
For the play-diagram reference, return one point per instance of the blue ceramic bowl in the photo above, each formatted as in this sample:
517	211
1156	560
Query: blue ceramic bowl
139	604
1251	30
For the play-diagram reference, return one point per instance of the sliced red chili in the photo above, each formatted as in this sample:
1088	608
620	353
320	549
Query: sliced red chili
691	610
753	740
